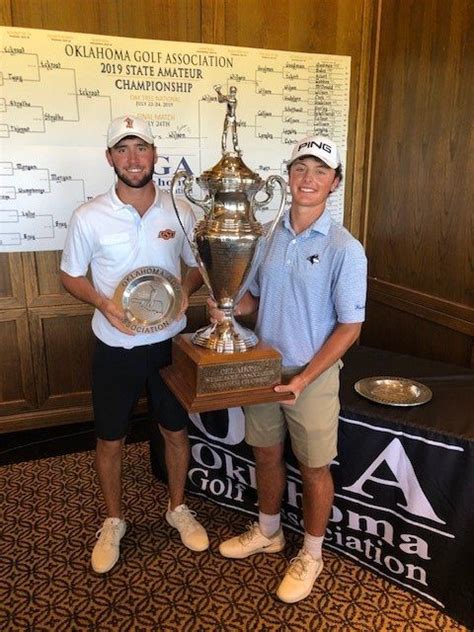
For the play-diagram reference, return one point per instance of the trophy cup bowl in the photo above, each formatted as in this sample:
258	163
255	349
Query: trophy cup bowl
228	243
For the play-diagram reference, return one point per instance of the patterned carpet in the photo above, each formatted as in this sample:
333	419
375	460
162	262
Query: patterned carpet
49	511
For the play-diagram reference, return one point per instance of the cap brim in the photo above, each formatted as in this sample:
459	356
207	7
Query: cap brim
290	162
148	139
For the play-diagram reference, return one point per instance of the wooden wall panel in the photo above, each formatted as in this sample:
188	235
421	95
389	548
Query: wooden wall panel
420	201
420	221
41	279
12	290
149	19
62	344
5	12
399	329
17	392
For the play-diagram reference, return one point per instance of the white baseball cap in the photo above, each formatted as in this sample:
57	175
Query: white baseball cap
128	125
319	147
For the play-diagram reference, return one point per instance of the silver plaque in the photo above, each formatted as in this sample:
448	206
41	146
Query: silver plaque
393	391
151	298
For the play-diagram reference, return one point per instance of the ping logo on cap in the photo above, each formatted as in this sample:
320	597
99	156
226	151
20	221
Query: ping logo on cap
313	143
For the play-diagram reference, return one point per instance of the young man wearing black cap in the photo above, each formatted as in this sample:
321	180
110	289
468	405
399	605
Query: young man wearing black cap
310	294
131	226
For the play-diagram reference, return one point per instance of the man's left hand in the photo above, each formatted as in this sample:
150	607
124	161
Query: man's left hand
296	385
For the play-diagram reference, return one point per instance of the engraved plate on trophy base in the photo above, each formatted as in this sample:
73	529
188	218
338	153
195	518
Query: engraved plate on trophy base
204	380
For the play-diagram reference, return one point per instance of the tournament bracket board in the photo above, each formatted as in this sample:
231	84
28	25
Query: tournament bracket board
60	90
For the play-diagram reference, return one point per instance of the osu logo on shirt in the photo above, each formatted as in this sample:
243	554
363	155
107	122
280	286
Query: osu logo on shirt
166	234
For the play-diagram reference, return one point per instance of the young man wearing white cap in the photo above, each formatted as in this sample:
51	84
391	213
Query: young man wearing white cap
310	294
131	226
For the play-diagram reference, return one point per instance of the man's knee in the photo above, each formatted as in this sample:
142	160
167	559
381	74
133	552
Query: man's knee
174	437
108	451
103	445
315	475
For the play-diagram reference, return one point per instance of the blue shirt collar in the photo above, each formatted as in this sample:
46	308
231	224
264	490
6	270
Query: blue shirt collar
321	225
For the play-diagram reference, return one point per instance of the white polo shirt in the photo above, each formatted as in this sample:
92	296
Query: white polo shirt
114	240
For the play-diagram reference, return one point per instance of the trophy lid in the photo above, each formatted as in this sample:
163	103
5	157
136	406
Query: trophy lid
230	173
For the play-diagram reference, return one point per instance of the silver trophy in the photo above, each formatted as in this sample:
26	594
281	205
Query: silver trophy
228	242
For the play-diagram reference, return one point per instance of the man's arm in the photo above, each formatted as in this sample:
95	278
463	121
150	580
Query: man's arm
81	288
191	283
341	339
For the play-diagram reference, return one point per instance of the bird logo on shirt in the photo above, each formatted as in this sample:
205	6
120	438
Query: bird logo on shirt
166	234
313	259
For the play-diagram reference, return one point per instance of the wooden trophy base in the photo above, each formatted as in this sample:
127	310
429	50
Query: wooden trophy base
204	380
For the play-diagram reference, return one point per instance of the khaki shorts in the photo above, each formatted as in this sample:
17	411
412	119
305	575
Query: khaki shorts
312	421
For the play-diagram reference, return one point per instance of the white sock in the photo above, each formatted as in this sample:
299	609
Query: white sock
313	545
269	524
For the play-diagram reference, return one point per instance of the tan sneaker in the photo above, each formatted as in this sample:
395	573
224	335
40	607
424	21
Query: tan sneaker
300	577
107	549
193	535
252	541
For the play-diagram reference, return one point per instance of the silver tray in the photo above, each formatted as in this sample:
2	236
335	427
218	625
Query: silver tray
393	391
151	298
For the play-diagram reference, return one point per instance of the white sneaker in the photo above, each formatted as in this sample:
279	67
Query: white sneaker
193	535
252	541
300	577
107	549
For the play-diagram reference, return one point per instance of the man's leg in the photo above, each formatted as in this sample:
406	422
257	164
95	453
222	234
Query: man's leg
313	423
192	533
271	478
318	497
116	384
177	463
264	536
264	425
108	465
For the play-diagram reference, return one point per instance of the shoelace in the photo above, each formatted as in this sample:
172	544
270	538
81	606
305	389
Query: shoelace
251	532
108	534
186	518
298	567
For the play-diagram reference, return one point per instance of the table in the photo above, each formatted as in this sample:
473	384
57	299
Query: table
404	478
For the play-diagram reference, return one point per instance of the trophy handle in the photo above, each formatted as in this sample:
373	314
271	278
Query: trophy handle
269	188
188	183
205	204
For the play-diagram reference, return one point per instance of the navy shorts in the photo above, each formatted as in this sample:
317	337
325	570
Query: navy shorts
120	376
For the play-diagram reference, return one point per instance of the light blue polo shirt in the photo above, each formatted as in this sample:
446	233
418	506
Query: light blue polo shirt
308	283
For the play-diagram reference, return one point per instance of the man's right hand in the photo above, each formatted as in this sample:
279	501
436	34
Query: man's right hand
216	315
114	314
